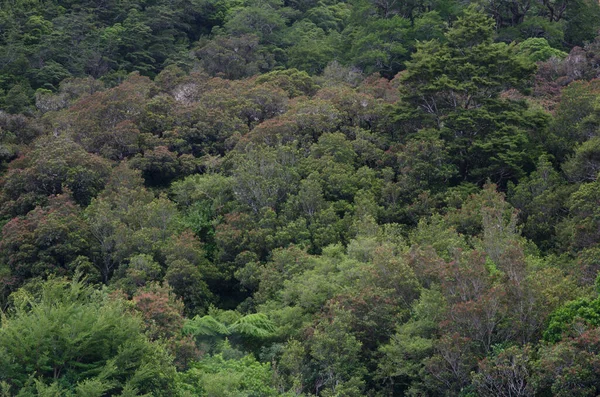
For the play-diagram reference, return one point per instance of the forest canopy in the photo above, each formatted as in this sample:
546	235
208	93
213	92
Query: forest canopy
234	198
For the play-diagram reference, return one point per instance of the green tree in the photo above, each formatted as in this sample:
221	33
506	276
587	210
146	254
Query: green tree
571	318
69	336
580	229
263	176
311	49
223	376
380	45
264	20
211	331
584	164
537	49
455	86
575	119
234	57
334	358
581	21
541	199
403	361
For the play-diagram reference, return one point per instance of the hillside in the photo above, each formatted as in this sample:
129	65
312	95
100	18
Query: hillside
247	199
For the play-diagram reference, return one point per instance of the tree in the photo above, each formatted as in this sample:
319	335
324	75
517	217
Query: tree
581	21
447	371
570	367
223	376
263	176
54	165
188	283
334	355
541	199
312	48
580	229
454	86
380	45
234	57
264	20
575	120
107	122
403	362
537	49
47	241
294	82
572	319
303	123
505	374
163	319
126	220
68	335
422	164
160	166
218	327
507	14
109	214
584	165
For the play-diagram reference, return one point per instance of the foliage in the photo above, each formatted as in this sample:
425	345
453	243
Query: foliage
308	198
85	339
227	377
454	86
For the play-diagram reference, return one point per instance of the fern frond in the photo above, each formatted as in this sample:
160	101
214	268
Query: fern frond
255	325
204	326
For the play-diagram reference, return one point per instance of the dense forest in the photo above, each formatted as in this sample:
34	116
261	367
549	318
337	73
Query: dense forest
256	198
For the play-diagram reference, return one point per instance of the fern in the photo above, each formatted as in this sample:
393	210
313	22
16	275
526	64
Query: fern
206	326
255	325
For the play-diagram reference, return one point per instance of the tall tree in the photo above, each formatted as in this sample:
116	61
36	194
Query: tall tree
455	86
